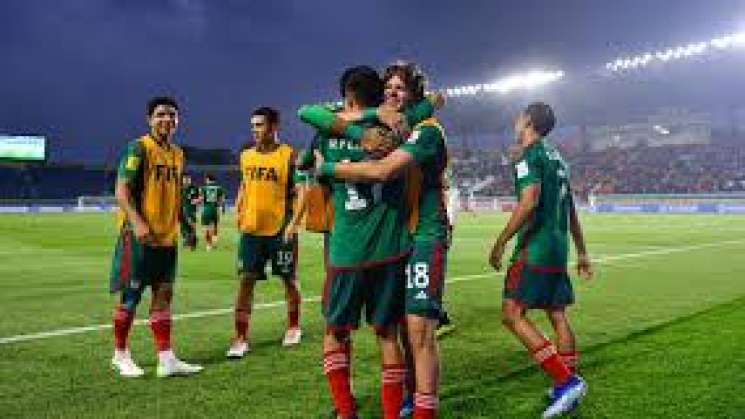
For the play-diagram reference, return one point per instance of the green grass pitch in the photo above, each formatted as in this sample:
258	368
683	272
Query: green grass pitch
660	328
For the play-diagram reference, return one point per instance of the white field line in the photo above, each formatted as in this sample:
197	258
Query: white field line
315	299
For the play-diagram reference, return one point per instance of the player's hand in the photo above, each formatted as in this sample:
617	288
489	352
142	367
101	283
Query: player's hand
495	258
142	231
584	266
378	142
437	99
394	120
318	162
514	152
349	116
290	232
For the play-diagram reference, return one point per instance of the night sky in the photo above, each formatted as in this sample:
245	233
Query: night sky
80	72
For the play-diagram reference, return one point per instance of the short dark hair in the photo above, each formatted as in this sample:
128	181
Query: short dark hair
412	76
541	117
209	177
271	114
364	83
160	100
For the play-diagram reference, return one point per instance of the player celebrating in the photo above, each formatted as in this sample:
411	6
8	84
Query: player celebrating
264	207
424	156
148	191
189	200
212	197
537	277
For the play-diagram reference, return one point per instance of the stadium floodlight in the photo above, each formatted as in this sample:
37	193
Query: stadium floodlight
526	81
676	53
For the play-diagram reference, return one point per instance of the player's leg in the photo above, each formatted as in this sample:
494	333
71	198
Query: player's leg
284	265
342	302
424	289
407	406
526	287
123	279
384	301
393	371
251	259
565	339
160	265
207	224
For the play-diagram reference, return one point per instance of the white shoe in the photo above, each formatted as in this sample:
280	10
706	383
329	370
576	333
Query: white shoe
238	349
122	363
292	337
174	366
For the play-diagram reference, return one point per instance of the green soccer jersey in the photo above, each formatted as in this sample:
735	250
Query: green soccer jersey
427	145
189	196
212	196
369	225
543	241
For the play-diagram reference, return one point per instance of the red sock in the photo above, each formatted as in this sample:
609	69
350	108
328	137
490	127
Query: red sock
123	319
570	359
392	389
425	406
551	363
336	368
293	310
160	324
242	318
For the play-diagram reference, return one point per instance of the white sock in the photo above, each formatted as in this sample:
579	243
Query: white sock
166	356
121	353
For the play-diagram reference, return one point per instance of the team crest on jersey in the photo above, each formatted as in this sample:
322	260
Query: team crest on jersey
522	169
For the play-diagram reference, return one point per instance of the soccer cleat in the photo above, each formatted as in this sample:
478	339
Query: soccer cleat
125	366
292	337
407	407
176	367
566	397
238	349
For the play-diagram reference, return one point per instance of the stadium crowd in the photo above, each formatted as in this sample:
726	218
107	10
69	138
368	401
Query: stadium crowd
666	169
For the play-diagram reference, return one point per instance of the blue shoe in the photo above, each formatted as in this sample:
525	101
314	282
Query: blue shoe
407	407
566	397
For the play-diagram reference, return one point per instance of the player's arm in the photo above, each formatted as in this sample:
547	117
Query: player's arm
525	206
421	146
326	119
584	268
130	168
301	206
529	187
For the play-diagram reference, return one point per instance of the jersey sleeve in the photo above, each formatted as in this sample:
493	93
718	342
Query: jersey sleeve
423	144
132	161
528	171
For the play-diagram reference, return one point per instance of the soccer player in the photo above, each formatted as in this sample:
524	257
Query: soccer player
148	191
212	197
367	246
422	158
189	200
537	277
264	207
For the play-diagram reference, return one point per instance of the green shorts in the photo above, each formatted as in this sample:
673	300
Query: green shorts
380	290
135	265
538	287
425	279
210	216
255	251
